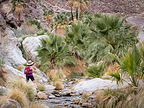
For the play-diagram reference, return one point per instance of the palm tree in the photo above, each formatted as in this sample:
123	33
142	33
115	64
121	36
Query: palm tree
77	5
70	4
75	39
52	51
112	31
130	64
18	7
83	7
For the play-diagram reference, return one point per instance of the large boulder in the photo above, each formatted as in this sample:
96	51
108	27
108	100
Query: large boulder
9	50
96	84
30	44
137	21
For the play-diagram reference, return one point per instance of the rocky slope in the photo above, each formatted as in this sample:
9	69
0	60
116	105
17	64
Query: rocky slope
110	6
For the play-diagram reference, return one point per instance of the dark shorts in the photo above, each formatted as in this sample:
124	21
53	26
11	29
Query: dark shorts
29	77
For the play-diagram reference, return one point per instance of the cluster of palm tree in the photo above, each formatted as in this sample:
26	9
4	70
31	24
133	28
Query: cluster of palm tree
53	52
108	33
92	41
79	5
18	7
61	20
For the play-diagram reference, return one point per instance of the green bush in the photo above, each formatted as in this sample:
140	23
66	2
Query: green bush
35	22
95	71
1	63
52	51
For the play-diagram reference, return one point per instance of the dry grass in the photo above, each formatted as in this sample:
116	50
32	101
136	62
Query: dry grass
27	88
58	85
112	68
37	105
41	87
55	74
19	67
19	96
27	28
120	98
60	31
85	95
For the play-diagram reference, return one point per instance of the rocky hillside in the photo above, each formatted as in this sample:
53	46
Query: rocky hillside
110	6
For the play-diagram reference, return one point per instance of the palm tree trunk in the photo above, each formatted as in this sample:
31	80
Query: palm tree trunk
77	13
81	12
19	19
52	63
71	13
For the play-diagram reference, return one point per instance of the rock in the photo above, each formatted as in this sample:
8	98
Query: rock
2	22
56	101
77	101
9	50
135	21
3	90
56	93
13	73
51	96
87	105
49	88
42	95
30	44
9	103
96	84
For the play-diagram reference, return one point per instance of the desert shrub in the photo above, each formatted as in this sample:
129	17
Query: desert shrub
35	22
1	63
19	67
42	32
121	98
41	87
95	71
21	48
27	88
19	96
58	84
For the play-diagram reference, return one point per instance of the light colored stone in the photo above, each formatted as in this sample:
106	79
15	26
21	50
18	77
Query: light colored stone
96	84
30	44
3	90
51	96
42	95
9	50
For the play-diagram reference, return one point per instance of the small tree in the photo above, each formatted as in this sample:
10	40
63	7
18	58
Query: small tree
18	7
130	65
52	51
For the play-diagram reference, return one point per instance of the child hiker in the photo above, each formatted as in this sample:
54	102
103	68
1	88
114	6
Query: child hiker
28	71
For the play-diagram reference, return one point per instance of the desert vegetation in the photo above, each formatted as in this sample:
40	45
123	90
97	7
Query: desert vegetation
72	46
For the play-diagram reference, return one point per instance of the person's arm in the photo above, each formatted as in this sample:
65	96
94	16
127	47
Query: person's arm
34	67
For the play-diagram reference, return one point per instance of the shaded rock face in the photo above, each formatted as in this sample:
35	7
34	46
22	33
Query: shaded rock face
30	44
